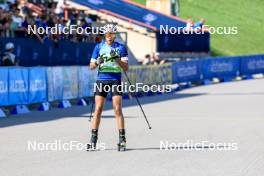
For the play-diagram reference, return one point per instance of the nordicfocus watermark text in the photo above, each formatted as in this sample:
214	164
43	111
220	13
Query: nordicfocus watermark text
58	145
202	145
67	30
138	87
221	30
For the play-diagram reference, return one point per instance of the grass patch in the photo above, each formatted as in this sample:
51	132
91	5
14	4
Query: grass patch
244	14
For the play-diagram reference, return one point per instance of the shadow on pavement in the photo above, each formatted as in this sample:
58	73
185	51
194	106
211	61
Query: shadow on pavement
83	112
185	148
198	148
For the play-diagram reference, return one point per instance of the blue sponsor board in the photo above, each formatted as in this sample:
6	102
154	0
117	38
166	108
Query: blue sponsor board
3	86
162	74
186	71
252	64
86	79
55	83
18	86
83	81
151	75
221	67
70	82
37	85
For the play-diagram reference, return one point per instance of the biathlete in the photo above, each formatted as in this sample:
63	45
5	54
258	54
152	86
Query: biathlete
111	58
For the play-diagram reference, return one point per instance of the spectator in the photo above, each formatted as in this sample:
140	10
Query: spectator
2	20
5	22
11	1
189	24
199	24
28	21
47	14
4	5
60	7
147	60
17	21
156	59
9	58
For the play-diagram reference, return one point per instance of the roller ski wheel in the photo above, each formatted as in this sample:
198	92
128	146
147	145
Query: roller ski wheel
121	147
91	147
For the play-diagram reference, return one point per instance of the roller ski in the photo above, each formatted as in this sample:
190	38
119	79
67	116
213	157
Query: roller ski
121	146
92	145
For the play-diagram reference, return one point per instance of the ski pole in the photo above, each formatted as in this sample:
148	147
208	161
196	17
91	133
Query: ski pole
138	102
91	114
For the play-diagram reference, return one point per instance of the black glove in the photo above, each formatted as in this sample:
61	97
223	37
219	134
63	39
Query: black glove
114	54
100	59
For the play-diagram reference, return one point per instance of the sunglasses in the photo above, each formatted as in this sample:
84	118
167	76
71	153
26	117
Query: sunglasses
110	35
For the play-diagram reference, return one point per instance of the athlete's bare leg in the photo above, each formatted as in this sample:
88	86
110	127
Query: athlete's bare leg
99	105
117	105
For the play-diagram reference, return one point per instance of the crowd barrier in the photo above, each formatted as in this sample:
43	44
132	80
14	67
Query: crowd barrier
198	70
150	75
219	67
29	85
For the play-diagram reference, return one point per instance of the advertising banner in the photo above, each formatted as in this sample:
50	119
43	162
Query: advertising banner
3	86
37	85
151	75
87	79
70	82
55	83
186	71
221	67
18	86
252	64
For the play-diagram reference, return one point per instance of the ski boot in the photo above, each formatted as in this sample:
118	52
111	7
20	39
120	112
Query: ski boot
92	145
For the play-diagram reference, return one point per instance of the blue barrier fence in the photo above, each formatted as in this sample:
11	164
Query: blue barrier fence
22	86
220	67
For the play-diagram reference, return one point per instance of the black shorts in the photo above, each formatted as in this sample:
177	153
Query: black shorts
105	86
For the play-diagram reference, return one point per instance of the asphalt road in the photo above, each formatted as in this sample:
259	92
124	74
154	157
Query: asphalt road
227	118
